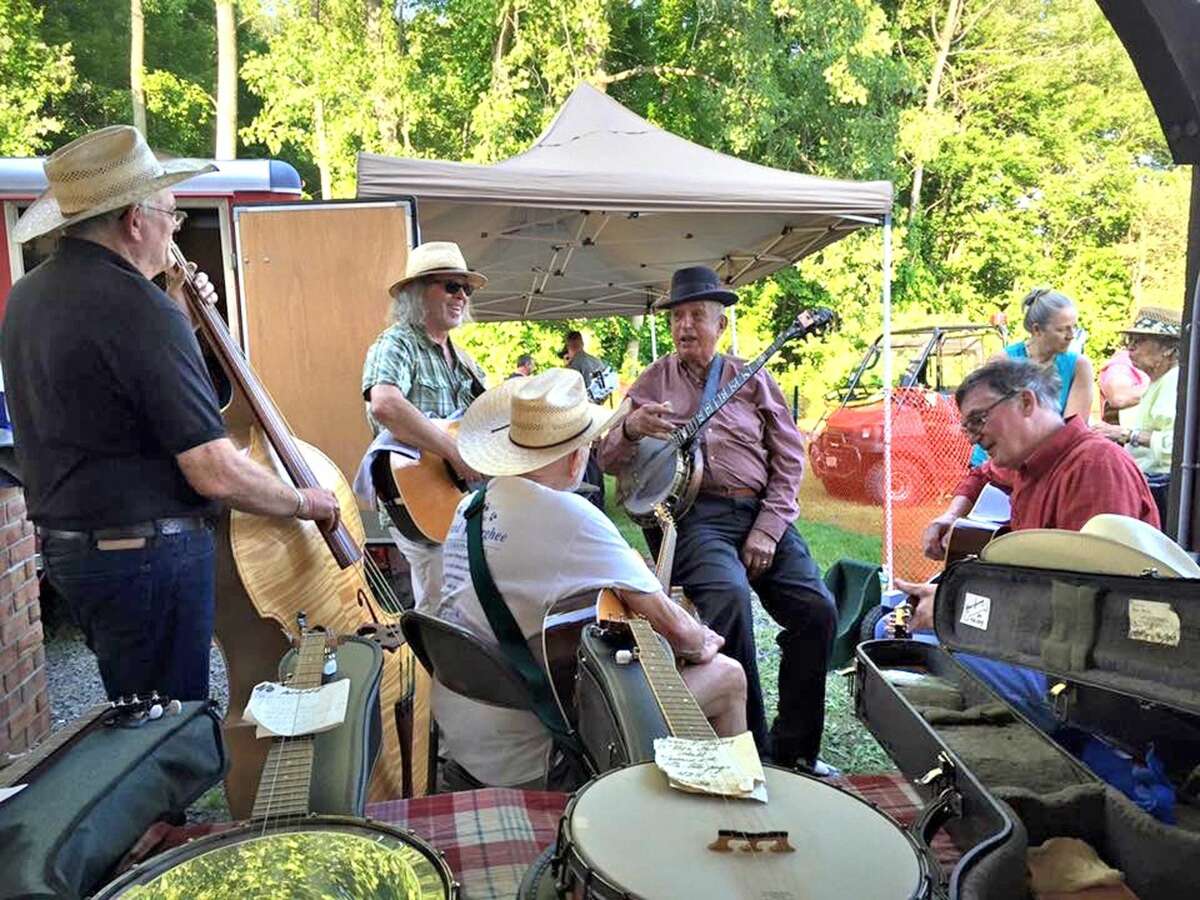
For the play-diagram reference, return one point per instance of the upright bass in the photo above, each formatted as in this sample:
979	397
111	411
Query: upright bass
270	569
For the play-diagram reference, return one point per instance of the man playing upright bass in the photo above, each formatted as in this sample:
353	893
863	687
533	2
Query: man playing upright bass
740	534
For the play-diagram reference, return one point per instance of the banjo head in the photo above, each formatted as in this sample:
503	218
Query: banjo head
319	856
657	473
628	834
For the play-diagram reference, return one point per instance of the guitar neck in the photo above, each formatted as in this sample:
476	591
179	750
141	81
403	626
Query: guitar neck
684	717
684	435
283	787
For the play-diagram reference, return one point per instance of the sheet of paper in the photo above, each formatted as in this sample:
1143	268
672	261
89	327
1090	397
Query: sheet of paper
7	792
993	505
280	711
728	767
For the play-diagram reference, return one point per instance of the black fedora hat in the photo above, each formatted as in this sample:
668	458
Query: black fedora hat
696	283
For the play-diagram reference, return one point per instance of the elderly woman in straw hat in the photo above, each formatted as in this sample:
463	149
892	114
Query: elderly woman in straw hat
543	543
414	373
1147	430
118	434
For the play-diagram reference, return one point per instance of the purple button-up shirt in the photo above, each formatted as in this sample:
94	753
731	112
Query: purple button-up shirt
750	443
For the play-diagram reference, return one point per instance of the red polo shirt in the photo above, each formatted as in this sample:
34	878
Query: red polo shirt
1075	475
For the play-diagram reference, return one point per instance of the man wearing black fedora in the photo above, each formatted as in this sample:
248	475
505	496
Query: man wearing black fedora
739	535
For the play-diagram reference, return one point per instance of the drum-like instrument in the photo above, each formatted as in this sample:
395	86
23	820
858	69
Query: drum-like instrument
627	834
317	856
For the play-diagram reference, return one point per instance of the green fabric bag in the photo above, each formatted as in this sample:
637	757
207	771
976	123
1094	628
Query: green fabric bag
62	835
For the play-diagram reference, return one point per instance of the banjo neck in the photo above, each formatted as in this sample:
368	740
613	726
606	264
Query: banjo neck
283	789
806	323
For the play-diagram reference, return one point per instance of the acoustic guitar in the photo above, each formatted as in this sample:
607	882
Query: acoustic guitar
669	471
988	518
285	852
419	495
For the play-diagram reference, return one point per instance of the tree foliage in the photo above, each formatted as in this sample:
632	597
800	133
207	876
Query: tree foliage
1039	158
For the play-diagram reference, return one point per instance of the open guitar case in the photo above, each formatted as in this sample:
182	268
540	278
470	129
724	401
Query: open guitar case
1121	656
88	804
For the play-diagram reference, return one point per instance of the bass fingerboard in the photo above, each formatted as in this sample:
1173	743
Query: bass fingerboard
286	779
684	717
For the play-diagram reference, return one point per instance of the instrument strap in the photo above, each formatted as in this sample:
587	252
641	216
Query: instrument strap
508	633
712	381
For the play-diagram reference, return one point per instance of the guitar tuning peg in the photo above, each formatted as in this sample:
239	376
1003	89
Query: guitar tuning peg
174	708
155	712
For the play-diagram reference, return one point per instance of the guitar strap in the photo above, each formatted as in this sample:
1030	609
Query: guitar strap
508	633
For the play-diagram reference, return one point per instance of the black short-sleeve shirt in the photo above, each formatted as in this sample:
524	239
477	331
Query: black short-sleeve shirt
105	384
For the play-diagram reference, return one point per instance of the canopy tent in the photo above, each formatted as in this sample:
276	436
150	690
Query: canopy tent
596	215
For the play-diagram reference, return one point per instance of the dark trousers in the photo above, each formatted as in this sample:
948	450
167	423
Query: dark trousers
593	476
1160	489
708	565
146	613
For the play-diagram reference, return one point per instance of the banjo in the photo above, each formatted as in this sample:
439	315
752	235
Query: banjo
628	834
283	851
668	471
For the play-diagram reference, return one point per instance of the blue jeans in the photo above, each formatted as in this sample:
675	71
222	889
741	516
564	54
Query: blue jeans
146	613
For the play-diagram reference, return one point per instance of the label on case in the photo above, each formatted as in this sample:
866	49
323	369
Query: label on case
976	611
1153	622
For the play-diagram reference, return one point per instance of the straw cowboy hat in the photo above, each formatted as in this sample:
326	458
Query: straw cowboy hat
529	422
696	283
1106	545
1156	322
99	172
437	258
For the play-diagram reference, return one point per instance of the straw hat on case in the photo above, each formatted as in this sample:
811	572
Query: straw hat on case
437	258
99	172
1106	545
529	422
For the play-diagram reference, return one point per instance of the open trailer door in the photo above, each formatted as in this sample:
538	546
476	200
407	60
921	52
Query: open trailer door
313	280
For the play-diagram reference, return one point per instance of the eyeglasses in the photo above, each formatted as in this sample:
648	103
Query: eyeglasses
177	214
453	287
1132	340
973	424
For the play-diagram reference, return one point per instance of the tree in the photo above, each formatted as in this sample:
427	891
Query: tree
34	75
227	81
137	67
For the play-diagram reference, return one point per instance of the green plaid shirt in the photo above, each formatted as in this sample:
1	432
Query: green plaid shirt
406	357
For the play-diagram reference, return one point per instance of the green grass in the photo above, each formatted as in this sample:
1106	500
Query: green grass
846	744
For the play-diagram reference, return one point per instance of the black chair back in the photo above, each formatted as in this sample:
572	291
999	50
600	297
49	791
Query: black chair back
464	663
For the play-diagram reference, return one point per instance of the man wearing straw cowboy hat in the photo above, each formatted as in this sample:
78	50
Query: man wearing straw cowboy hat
542	543
1147	430
414	373
119	438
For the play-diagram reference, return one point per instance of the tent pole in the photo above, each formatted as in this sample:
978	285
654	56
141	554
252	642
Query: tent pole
653	336
733	327
887	400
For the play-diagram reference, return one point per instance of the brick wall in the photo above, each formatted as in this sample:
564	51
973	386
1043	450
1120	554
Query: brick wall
24	704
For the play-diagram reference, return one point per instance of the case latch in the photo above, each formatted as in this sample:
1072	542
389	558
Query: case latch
1060	701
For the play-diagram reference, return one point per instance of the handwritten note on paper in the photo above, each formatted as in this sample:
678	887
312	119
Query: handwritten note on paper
280	711
728	767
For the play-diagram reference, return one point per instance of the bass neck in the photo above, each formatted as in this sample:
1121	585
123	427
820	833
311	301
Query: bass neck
283	788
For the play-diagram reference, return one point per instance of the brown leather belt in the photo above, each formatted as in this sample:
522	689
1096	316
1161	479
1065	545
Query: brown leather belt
127	537
727	493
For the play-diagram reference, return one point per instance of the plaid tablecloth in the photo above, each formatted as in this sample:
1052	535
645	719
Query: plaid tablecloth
491	836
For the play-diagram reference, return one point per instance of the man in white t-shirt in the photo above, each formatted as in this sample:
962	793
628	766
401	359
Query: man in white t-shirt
544	543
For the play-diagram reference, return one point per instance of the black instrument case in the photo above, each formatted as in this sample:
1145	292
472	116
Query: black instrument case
1122	660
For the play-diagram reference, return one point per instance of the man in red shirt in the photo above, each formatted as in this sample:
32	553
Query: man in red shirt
1061	472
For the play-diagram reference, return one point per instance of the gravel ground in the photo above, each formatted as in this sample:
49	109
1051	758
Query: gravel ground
73	679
